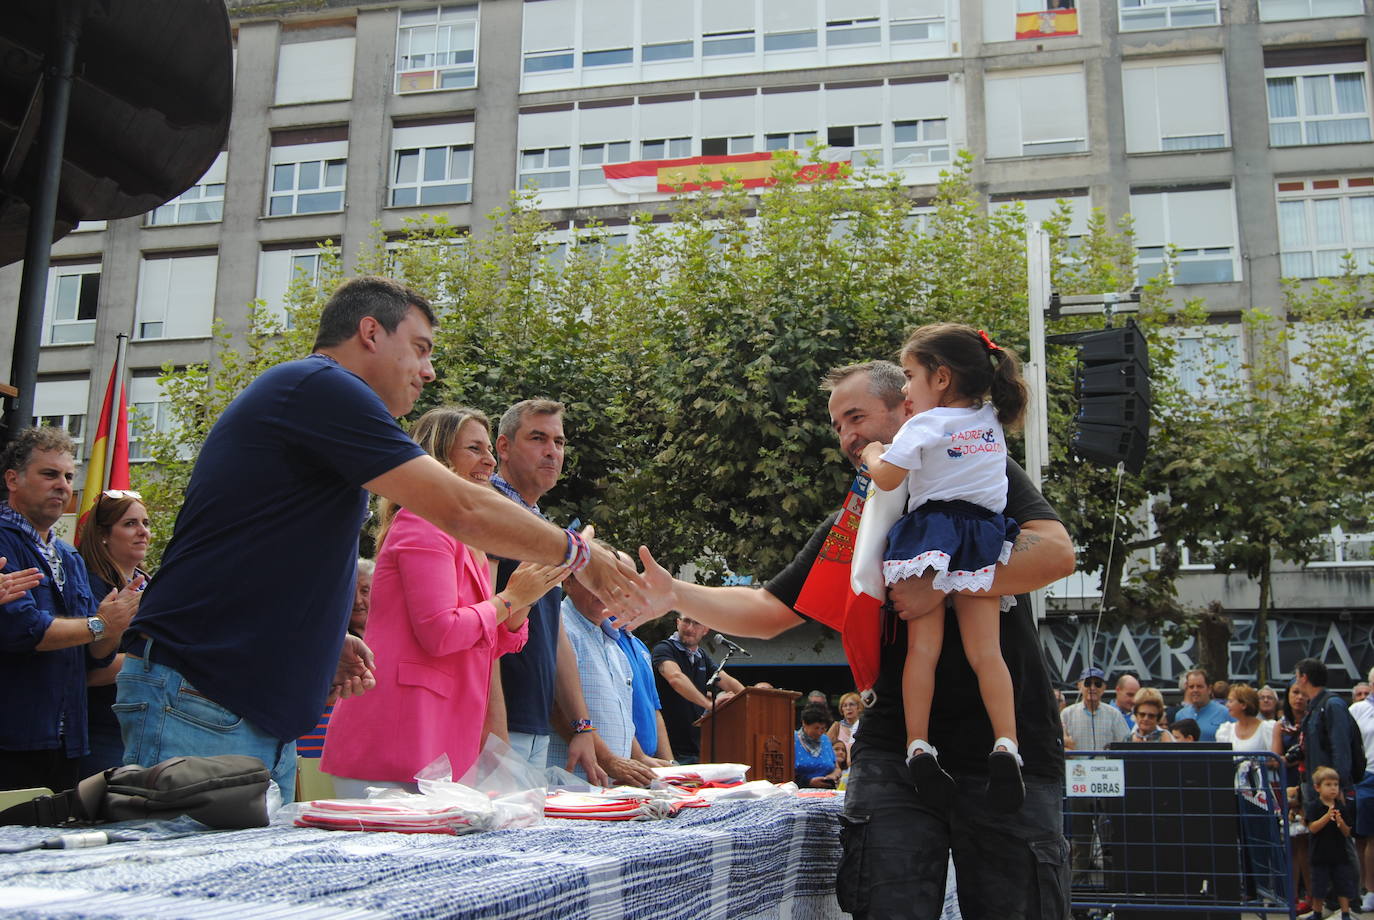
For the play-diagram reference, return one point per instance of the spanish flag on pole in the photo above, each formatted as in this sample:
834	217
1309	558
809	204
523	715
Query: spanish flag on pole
108	465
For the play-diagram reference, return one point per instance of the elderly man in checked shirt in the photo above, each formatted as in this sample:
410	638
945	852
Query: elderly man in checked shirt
1090	726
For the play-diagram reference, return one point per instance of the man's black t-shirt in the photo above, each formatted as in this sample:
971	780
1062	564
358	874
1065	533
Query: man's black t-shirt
959	726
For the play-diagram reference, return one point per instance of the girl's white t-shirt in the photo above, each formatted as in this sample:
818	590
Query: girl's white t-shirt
953	455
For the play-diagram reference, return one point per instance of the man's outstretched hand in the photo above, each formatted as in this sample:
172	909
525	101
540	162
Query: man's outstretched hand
354	675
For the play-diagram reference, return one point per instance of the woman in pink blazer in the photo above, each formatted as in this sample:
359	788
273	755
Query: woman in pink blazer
435	627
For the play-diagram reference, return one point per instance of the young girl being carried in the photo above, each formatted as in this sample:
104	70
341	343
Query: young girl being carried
953	454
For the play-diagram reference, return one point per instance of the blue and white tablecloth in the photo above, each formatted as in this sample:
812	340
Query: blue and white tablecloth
772	860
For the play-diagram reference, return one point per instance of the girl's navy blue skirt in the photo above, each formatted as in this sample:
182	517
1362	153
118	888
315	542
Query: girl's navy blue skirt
962	542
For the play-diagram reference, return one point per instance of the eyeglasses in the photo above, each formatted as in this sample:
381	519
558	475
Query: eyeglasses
117	494
1094	682
1146	714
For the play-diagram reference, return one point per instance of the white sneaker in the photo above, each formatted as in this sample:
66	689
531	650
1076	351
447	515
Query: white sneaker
1368	903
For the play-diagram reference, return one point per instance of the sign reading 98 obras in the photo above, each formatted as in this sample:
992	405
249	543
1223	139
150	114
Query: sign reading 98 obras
1095	778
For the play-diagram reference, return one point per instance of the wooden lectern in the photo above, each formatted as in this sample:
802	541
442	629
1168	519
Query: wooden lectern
755	728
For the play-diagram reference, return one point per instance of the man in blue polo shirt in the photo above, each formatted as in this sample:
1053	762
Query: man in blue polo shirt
530	445
245	628
1198	705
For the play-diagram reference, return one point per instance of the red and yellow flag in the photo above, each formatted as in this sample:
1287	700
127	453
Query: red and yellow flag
1047	24
752	170
116	447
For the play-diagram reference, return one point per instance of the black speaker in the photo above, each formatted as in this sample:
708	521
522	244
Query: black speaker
1112	386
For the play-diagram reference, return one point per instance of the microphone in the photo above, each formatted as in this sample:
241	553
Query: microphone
733	646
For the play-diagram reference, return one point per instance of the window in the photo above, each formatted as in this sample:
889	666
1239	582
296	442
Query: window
62	404
852	31
714	44
201	203
794	140
278	269
864	141
547	61
1320	220
1319	104
668	28
916	20
73	292
724	146
594	156
176	297
922	141
609	57
789	41
307	178
1207	360
1341	548
1273	10
315	71
149	408
1036	113
431	164
436	48
672	148
1200	223
1175	105
547	168
667	51
1139	15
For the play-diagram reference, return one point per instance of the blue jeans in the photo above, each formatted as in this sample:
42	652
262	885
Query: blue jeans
161	715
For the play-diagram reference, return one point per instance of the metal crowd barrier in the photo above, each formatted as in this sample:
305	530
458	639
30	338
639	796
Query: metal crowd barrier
1177	828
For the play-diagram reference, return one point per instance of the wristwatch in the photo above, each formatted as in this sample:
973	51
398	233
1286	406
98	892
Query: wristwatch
97	627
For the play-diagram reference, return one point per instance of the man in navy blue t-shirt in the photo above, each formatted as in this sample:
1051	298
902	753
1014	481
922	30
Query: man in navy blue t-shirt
530	444
245	627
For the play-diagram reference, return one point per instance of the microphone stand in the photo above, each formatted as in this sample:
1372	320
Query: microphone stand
713	685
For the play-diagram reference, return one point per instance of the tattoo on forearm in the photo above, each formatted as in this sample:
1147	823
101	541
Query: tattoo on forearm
1024	541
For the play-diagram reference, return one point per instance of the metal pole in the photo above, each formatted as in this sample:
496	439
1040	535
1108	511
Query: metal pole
57	88
1037	416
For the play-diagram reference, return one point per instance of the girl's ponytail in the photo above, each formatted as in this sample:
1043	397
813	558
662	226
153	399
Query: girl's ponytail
1008	390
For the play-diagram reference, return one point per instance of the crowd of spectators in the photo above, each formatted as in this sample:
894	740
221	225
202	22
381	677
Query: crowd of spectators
1330	811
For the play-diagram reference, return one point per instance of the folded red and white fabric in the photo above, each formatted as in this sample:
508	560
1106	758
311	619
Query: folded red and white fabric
405	813
699	774
619	804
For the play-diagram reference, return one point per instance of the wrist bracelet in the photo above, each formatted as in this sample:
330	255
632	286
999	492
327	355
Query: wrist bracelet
582	726
509	608
579	553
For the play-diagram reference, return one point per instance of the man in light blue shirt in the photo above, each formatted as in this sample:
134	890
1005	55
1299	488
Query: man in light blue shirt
1199	706
607	688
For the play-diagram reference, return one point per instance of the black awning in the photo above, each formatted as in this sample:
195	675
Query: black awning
150	107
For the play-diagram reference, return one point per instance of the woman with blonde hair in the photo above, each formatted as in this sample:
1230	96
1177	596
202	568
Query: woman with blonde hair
436	627
843	729
1248	732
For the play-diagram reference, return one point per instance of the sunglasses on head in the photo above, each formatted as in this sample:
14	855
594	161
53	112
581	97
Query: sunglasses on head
117	494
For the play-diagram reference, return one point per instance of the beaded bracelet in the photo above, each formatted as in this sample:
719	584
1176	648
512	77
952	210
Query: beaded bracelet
509	609
579	553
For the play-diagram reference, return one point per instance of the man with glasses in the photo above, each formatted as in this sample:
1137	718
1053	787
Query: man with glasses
681	672
54	632
1092	727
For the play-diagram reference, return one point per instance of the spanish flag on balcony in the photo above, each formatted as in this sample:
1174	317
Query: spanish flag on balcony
690	174
108	465
1047	24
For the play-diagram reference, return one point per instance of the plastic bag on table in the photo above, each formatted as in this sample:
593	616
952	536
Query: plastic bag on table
496	792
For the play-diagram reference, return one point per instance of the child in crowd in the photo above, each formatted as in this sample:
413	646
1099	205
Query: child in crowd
1186	730
1329	820
953	454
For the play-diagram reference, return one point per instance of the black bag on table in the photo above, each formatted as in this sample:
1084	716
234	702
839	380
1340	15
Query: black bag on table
227	792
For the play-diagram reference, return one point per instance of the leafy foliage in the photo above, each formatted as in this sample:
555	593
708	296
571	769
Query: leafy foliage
689	360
